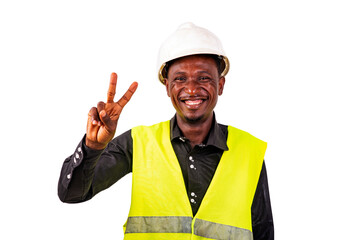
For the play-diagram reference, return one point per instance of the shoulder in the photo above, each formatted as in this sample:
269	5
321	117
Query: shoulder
154	127
237	136
239	132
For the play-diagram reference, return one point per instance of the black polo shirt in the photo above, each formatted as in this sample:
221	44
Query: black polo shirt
88	171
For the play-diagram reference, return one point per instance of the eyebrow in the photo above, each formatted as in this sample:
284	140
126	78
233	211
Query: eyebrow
202	71
179	73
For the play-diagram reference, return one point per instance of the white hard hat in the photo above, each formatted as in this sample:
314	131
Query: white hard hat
187	40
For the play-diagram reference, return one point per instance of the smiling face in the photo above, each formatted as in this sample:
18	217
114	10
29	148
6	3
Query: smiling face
193	84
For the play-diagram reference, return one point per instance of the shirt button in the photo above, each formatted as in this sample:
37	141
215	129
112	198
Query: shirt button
68	176
193	194
193	201
79	149
191	166
77	155
75	161
190	158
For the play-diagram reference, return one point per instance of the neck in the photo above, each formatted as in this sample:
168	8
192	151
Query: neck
196	131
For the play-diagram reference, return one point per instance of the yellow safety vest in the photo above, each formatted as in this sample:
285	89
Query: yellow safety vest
160	208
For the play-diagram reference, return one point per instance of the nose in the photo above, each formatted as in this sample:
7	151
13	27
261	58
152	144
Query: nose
192	87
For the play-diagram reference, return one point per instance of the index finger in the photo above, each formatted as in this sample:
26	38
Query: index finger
112	88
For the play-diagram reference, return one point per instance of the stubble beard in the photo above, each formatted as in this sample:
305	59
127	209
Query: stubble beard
193	120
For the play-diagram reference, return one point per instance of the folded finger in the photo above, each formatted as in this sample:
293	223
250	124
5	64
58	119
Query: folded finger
100	107
93	122
93	115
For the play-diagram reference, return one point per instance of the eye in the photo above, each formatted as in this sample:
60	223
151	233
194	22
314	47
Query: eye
180	79
204	79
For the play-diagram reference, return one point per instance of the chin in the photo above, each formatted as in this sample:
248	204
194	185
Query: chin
193	119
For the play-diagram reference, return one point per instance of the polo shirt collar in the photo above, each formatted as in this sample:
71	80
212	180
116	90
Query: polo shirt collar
216	137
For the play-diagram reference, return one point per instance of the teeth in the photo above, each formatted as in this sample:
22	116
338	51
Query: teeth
194	102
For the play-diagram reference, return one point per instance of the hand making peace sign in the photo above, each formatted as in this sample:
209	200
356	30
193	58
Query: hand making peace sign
102	121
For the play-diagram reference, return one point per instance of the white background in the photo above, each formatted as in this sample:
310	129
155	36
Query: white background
293	83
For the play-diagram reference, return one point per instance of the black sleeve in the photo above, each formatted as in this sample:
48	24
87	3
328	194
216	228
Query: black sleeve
262	220
88	171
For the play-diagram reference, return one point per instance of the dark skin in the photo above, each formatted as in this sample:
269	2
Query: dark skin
102	121
193	84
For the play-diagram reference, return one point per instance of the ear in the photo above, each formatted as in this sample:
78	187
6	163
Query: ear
221	83
167	86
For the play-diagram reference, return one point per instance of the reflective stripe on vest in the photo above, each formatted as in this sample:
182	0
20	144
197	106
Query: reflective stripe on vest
183	225
220	231
160	208
167	224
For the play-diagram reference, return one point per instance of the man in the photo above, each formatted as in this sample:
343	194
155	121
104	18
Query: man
192	177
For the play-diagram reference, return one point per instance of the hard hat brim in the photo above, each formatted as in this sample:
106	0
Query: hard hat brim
224	72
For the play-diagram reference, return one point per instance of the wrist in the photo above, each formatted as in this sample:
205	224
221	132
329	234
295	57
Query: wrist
94	145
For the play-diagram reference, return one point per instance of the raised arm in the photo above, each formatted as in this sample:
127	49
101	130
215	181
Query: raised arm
90	170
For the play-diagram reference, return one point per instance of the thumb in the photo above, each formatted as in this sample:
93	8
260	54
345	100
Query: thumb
106	120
